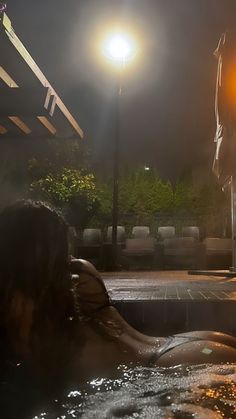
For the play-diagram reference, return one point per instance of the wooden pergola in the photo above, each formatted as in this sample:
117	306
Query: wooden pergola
29	105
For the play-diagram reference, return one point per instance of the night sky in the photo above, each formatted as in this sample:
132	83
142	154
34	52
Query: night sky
167	109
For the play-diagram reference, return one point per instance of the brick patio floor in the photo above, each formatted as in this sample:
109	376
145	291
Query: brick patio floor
166	302
168	285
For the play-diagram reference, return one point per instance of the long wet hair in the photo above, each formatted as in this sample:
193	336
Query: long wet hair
34	263
33	248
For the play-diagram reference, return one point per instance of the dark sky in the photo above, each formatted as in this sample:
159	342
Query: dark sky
167	112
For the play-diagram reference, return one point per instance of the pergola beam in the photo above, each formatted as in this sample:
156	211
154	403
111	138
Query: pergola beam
47	124
39	74
20	124
8	80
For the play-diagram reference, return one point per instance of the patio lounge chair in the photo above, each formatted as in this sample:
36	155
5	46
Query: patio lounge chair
140	232
217	253
139	252
180	252
107	261
91	246
191	231
72	241
120	234
165	232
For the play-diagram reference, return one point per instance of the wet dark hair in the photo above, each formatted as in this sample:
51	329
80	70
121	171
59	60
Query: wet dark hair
33	248
34	265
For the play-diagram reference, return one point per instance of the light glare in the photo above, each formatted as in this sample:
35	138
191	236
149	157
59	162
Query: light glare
119	44
118	48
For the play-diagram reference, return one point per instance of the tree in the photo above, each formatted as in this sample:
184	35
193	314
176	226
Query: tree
71	190
144	198
59	175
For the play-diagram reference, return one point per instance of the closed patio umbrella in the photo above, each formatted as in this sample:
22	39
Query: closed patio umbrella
224	165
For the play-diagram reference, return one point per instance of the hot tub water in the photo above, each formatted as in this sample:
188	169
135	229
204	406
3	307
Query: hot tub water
205	391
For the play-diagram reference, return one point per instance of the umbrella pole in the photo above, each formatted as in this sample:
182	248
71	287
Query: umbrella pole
231	273
233	222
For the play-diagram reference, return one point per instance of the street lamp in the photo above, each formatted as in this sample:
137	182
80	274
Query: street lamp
119	48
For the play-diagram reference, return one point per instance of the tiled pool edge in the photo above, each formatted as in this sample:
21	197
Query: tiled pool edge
164	317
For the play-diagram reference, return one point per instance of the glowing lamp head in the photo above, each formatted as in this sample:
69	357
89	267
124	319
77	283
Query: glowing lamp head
118	48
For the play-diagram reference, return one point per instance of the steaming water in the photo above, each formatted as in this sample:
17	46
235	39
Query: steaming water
206	391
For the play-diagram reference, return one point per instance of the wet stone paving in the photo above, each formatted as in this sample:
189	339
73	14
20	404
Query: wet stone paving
168	285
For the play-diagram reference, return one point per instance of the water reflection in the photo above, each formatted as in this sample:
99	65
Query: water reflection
205	391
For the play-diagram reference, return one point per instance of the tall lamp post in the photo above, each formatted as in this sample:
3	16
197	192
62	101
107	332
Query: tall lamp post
119	49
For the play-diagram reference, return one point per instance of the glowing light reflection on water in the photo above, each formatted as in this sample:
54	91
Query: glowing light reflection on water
206	391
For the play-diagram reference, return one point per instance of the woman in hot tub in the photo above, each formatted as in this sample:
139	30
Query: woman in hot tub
57	316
